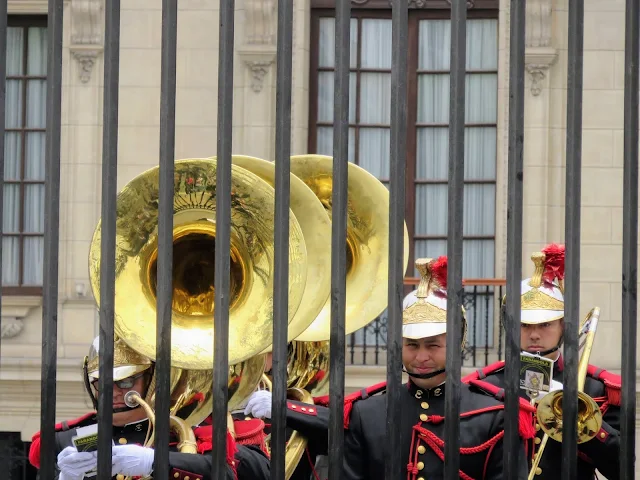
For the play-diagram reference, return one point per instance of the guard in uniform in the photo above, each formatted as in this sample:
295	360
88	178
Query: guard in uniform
422	421
542	314
131	427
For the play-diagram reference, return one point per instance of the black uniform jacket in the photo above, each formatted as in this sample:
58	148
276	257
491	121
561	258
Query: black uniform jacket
602	452
247	463
310	421
422	426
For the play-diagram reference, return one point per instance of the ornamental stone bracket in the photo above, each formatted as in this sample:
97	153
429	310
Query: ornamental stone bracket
537	62
258	60
14	310
86	35
539	53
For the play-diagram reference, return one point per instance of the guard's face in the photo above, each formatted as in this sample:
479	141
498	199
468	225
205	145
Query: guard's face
541	337
425	355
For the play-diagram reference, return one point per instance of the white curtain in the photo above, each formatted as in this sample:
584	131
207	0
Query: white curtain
373	114
23	216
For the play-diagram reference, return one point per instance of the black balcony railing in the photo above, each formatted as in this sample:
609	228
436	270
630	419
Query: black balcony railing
485	334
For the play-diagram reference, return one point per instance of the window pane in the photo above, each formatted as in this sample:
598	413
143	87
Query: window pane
433	98
480	153
325	97
374	151
482	44
13	112
37	53
34	166
324	142
481	104
10	261
375	98
431	210
479	209
478	259
33	260
15	51
11	209
36	104
327	43
12	155
376	43
434	44
432	154
34	208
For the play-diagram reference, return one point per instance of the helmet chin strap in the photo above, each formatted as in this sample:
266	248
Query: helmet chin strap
423	376
544	353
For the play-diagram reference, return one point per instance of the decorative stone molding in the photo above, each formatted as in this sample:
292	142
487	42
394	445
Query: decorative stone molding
14	309
259	48
539	54
86	35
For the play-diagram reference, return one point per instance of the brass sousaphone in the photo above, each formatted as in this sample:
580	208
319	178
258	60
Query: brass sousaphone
194	228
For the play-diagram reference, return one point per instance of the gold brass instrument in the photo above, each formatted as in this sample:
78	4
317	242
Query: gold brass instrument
549	411
367	242
194	229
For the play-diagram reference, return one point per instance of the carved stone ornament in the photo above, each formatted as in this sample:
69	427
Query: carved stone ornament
86	35
14	310
539	54
259	48
11	327
259	70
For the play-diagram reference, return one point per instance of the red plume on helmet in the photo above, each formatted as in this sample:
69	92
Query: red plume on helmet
553	262
439	271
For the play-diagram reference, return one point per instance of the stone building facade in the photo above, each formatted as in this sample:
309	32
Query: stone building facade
312	100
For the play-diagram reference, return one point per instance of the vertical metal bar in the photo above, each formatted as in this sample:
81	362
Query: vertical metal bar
223	242
572	238
514	236
51	238
398	159
108	235
339	236
488	292
281	237
165	234
3	92
455	291
630	242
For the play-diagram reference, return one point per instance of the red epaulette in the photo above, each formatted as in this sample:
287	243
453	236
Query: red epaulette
204	440
483	373
34	451
612	383
350	399
251	432
525	414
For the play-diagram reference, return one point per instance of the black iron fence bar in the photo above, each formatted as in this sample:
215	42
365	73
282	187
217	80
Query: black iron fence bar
108	235
488	294
3	91
281	236
397	156
339	236
222	241
572	239
455	291
514	234
51	235
630	242
165	234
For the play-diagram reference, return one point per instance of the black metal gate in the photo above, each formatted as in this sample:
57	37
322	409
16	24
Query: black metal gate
397	189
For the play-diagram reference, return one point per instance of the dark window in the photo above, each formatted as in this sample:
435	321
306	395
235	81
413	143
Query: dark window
428	122
23	216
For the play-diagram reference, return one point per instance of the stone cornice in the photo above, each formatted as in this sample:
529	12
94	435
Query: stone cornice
539	53
86	35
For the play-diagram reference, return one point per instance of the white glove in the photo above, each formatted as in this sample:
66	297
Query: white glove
132	460
259	404
74	464
64	476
